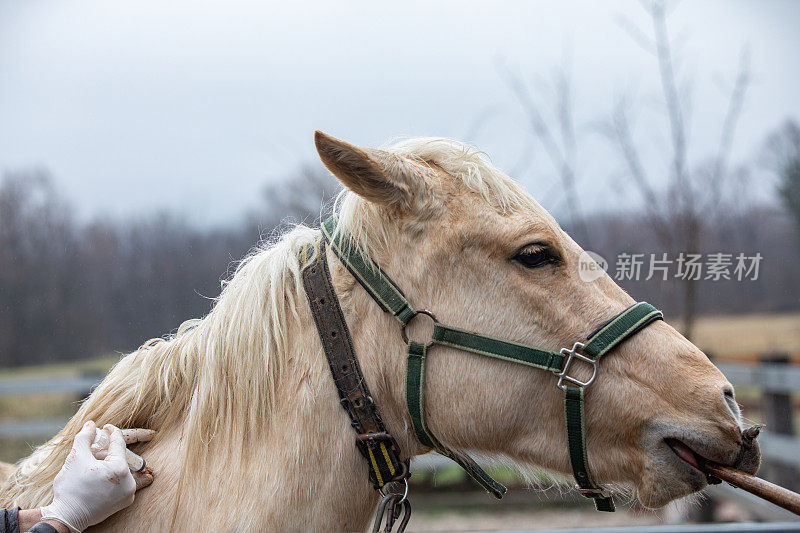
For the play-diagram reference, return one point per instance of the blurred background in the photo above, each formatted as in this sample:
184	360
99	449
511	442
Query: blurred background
145	147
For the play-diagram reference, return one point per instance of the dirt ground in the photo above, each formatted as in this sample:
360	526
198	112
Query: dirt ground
460	520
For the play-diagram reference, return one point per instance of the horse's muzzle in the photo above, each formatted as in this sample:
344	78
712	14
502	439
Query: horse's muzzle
747	460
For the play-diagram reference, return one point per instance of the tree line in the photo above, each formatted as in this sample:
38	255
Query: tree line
71	290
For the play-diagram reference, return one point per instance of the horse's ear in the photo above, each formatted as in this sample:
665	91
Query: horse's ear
376	175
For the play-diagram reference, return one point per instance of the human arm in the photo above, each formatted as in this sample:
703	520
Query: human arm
30	517
18	520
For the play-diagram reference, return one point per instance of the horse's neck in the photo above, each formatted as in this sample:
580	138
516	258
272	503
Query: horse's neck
318	443
313	448
307	476
305	472
315	467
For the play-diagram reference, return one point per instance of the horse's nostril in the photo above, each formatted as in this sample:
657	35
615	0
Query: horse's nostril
728	392
730	401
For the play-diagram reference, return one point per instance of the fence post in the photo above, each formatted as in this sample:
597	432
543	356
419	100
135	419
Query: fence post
777	412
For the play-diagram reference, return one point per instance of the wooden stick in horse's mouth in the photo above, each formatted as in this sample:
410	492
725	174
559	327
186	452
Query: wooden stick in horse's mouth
754	485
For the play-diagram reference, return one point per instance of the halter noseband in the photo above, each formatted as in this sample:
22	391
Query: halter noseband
600	342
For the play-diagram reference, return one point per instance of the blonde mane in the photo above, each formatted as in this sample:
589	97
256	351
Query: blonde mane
221	375
198	373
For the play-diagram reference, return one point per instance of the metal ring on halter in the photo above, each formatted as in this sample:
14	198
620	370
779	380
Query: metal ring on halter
403	333
390	507
405	491
385	490
403	474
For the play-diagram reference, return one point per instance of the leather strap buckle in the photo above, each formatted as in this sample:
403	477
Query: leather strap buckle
364	441
595	493
376	437
571	354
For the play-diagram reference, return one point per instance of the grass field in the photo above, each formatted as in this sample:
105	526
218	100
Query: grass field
97	365
746	337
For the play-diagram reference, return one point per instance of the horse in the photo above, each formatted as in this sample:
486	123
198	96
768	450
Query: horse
250	432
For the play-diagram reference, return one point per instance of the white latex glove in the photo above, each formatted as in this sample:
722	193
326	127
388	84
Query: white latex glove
87	491
99	449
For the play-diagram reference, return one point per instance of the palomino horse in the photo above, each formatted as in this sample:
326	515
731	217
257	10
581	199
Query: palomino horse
251	435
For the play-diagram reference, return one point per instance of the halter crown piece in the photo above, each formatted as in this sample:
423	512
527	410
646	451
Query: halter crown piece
599	343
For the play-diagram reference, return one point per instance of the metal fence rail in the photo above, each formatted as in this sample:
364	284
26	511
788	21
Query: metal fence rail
72	385
38	429
774	527
775	378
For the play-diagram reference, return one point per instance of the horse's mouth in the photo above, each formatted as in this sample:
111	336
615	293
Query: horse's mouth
676	455
689	456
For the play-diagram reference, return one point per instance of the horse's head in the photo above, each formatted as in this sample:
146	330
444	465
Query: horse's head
466	242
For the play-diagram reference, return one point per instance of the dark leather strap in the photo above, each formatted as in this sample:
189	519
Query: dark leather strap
374	442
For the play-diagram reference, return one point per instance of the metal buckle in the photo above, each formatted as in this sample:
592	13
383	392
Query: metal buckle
375	437
596	493
570	354
393	487
364	440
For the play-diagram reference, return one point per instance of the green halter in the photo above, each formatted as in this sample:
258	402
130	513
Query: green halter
391	299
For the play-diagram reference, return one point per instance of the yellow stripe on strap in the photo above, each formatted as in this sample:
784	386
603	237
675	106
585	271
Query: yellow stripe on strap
375	466
386	456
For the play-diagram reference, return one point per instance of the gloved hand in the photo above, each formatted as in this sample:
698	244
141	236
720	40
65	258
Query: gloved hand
87	491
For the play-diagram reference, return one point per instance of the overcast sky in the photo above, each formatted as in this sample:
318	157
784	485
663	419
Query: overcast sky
194	106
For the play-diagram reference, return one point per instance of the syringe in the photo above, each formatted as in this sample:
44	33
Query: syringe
101	441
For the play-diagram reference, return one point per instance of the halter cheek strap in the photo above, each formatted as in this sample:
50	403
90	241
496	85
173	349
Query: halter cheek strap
603	340
599	343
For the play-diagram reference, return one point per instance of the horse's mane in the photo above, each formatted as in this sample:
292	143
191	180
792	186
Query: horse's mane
219	375
471	166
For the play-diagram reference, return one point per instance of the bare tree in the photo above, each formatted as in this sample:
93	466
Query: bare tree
302	197
678	200
556	133
40	315
783	156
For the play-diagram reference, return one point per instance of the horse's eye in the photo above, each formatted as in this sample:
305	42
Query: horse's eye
534	258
